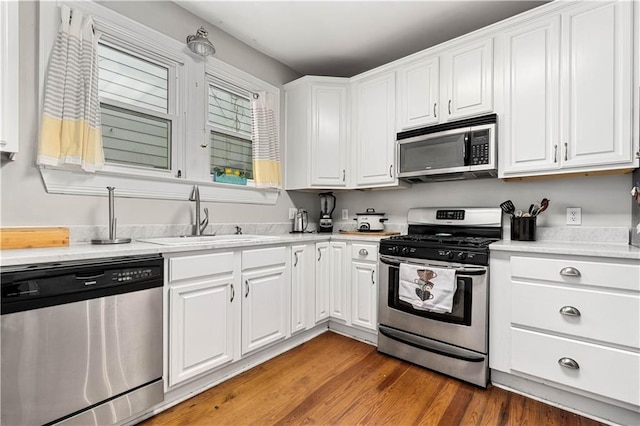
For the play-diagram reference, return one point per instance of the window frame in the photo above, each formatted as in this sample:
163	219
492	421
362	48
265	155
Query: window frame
190	103
9	77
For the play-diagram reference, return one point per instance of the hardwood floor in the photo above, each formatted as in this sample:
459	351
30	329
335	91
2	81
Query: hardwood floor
334	380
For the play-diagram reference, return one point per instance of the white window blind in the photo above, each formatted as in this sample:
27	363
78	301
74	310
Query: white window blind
135	104
229	117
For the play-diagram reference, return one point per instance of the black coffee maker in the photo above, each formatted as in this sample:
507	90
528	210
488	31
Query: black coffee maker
327	206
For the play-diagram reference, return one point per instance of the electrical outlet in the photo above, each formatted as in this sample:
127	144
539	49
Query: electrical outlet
292	212
574	216
345	214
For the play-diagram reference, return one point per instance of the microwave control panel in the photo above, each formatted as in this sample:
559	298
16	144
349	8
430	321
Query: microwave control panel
479	147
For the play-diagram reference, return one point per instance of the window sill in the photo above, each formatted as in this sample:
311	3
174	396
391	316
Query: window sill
61	181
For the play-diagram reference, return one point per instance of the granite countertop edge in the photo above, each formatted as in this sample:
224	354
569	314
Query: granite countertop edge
595	249
82	251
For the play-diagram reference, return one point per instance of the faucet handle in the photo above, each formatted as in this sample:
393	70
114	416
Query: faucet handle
205	221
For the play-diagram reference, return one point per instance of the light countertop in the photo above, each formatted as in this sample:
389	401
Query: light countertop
82	251
594	249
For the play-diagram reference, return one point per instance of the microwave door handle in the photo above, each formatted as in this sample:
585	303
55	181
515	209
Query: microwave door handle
466	147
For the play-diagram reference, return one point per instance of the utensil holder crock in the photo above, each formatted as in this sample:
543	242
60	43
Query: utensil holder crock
523	228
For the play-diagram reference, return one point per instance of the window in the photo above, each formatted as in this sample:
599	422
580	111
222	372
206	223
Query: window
230	128
137	114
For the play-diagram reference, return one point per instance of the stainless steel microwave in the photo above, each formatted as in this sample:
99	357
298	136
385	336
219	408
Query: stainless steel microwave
463	149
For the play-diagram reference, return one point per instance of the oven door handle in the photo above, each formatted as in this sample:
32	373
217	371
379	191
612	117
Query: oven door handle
431	345
462	271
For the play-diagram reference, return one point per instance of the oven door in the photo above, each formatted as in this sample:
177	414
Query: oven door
465	326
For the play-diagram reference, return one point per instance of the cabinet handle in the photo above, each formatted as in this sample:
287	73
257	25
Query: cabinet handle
570	271
568	363
449	106
566	151
295	263
363	252
233	293
344	175
638	154
434	110
246	282
373	281
570	311
555	153
390	167
319	254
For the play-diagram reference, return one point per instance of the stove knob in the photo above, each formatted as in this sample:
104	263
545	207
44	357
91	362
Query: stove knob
394	249
462	255
404	250
448	254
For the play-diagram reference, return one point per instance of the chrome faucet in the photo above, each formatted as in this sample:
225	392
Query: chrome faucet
199	227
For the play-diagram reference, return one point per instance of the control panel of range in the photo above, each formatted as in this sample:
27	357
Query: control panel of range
431	253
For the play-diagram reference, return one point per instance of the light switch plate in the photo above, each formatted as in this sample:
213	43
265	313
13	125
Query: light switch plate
574	216
292	212
345	214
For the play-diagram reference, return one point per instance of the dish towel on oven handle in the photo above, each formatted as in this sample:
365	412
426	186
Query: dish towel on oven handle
427	288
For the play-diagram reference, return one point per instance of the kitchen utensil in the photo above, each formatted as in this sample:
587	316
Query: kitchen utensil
370	221
533	210
517	213
544	204
327	205
508	207
300	221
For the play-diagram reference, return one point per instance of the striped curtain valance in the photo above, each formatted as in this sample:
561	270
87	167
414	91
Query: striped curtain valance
70	132
266	149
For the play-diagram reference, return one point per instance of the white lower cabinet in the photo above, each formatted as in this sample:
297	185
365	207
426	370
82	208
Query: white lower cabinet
302	287
265	309
569	322
364	293
331	285
202	305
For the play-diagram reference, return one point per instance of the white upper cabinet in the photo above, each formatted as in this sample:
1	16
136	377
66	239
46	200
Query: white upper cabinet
455	84
419	93
316	139
467	81
568	92
374	130
9	77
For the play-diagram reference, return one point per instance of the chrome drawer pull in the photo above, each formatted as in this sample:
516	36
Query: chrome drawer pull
570	271
570	311
373	281
247	284
568	363
296	257
233	293
363	252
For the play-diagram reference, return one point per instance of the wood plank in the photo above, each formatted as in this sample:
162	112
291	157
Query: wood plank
370	233
334	380
18	238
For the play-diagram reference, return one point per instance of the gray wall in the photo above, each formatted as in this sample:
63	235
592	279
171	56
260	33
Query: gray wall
24	201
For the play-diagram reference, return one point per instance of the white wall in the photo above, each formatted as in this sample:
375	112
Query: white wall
24	201
604	199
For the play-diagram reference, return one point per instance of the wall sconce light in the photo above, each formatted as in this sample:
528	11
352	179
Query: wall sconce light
200	44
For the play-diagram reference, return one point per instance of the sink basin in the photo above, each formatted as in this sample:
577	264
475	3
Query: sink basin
188	240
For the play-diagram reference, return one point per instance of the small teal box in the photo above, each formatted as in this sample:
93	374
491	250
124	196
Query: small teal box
236	180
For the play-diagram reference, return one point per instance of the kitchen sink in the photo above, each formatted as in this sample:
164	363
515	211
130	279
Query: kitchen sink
188	240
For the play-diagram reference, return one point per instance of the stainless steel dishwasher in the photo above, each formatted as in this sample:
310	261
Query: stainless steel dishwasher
81	341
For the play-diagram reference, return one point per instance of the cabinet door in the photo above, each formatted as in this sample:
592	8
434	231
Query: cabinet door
201	327
530	130
339	291
328	136
364	296
469	82
264	308
302	290
323	277
597	86
418	92
375	130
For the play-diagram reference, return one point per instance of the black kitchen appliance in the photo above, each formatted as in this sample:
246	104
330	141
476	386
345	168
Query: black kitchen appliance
327	206
454	241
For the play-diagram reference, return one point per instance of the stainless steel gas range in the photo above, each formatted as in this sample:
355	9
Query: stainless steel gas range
433	294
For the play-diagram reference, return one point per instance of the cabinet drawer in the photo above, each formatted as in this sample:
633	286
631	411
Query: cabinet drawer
605	316
201	265
604	274
263	257
364	252
604	371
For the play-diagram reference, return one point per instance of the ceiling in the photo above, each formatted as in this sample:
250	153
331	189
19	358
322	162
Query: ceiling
345	38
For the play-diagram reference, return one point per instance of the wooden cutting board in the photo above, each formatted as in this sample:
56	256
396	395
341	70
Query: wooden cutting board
17	238
371	234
